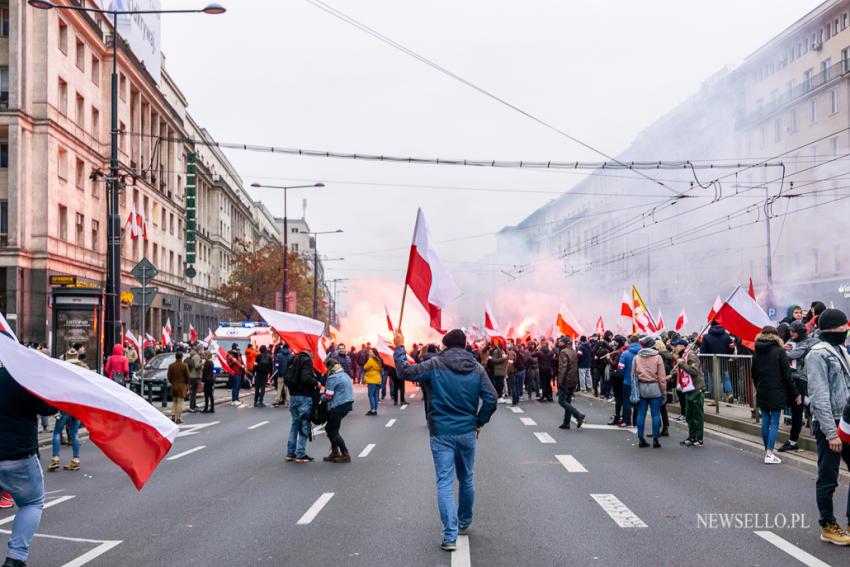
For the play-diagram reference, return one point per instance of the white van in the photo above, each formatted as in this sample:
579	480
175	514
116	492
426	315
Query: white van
243	333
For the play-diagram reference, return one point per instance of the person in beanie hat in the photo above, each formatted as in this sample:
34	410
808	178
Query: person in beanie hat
828	375
454	383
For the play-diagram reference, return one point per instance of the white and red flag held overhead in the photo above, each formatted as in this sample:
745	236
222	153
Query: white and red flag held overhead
221	354
389	319
209	337
137	342
166	337
427	277
130	432
680	322
715	308
385	351
742	316
168	328
300	333
567	323
600	327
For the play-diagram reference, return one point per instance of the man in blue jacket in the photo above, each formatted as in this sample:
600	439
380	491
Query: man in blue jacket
454	382
625	366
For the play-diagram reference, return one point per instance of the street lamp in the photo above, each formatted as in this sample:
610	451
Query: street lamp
112	315
316	268
285	231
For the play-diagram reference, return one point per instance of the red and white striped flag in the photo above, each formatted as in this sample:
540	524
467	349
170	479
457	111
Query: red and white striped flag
209	337
168	328
389	319
680	322
166	337
600	327
193	336
715	308
428	278
134	225
137	342
385	351
567	323
742	316
300	333
660	326
130	432
221	354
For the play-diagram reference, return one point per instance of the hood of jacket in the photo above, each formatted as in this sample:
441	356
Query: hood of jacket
647	352
634	348
800	328
117	350
789	313
458	360
716	330
765	343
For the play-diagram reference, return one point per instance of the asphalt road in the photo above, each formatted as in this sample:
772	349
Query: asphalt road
235	501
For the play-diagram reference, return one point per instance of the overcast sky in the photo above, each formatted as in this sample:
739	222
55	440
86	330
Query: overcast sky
286	73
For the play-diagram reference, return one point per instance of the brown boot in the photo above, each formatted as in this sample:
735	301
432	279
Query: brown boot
54	464
343	457
333	456
73	465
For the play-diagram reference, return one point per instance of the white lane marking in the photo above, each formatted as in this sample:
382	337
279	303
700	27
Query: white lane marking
314	510
527	421
460	557
365	452
184	453
618	511
256	425
193	429
791	549
390	423
544	437
318	430
105	545
570	463
516	409
403	407
59	500
608	427
411	395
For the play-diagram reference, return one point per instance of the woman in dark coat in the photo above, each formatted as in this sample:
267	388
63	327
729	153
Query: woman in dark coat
774	387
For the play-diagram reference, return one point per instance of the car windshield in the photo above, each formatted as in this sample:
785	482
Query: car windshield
161	361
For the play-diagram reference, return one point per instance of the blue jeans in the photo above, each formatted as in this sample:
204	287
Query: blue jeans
299	409
374	391
236	383
383	385
725	381
769	427
24	481
627	404
654	405
57	434
454	454
516	380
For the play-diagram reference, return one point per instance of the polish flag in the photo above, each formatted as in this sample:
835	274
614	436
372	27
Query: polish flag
742	316
130	432
428	278
300	333
137	342
492	329
511	332
134	225
643	318
567	323
193	336
752	290
715	308
334	332
600	327
142	224
168	328
660	321
844	425
389	319
149	340
385	350
166	338
209	338
221	354
626	307
680	322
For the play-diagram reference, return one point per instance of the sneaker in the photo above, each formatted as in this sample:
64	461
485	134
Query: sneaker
681	419
832	533
6	500
581	420
448	545
697	444
564	426
305	459
462	529
623	424
290	458
772	459
687	442
788	446
13	563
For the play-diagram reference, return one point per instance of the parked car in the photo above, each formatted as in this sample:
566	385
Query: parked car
156	375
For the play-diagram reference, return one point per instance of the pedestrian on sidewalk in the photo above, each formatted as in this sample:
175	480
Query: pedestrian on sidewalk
302	385
339	395
195	364
373	376
456	383
282	358
687	361
73	424
208	379
178	377
648	367
828	374
132	357
796	350
262	369
774	387
20	472
568	381
234	361
117	366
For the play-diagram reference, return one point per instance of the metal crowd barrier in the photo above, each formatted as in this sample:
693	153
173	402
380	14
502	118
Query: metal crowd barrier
728	381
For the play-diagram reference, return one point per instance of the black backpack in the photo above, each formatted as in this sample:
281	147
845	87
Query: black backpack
319	411
263	364
290	377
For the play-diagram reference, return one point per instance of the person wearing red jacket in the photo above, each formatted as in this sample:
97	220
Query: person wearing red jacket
117	366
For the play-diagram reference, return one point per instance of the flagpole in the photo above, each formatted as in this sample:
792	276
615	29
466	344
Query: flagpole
707	325
403	297
407	273
634	323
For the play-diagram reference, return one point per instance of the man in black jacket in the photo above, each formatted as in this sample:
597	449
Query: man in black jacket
262	369
301	390
20	471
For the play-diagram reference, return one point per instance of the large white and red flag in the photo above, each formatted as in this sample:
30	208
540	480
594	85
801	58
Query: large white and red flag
136	341
166	336
134	224
131	432
390	325
193	335
221	354
567	323
643	318
491	328
715	308
600	327
660	325
742	316
300	333
680	322
428	278
168	328
385	351
209	338
626	312
142	224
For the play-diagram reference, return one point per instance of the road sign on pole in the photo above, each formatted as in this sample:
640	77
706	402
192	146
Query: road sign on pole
144	271
144	296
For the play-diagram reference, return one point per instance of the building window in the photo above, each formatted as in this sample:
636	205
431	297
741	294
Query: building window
81	105
63	37
833	101
294	230
763	137
63	163
845	59
4	86
794	120
81	55
95	123
4	218
80	234
807	78
95	70
777	131
93	178
171	223
813	110
826	70
63	223
163	219
63	97
80	174
122	87
844	21
171	262
95	230
835	27
4	22
4	155
121	137
834	143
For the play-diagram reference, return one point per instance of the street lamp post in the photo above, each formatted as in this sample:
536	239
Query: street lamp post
285	232
112	312
316	269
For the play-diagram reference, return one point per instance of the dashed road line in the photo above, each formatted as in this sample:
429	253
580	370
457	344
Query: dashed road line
48	504
365	452
527	421
608	427
802	556
403	406
256	425
570	463
516	409
314	510
618	511
184	453
460	556
390	422
544	437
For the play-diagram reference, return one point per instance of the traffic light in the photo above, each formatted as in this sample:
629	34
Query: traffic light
190	214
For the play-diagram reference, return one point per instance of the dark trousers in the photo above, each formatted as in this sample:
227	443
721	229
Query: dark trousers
797	411
332	429
499	384
260	381
516	386
665	419
193	392
546	383
565	398
398	390
209	403
829	462
682	401
617	382
596	376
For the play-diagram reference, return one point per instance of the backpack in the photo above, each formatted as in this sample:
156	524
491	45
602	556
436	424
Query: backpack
290	378
319	411
263	364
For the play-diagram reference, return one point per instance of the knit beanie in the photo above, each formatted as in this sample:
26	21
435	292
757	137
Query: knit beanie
454	338
832	318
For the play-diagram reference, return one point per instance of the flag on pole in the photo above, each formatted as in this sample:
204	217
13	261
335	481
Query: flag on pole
134	223
389	319
626	312
643	318
742	316
715	308
600	327
168	328
300	333
492	329
166	337
567	323
149	340
137	342
143	224
130	432
385	350
680	322
209	338
221	354
193	336
428	278
660	326
752	290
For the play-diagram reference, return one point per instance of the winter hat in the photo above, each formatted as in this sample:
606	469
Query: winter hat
454	338
680	342
647	342
832	318
800	328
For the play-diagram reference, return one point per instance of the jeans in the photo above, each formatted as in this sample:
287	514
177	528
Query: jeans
654	405
299	409
24	480
565	398
694	413
74	426
209	402
532	375
374	391
829	462
627	404
383	385
769	427
235	384
517	378
454	454
332	429
726	382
